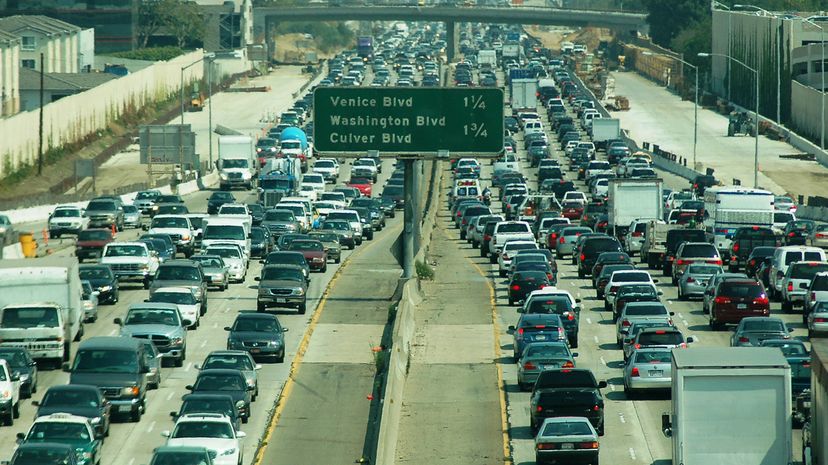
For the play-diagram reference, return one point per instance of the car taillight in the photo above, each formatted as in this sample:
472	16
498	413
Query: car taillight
736	247
583	257
682	261
744	339
529	366
546	445
791	234
722	300
761	301
487	237
820	320
635	373
820	236
637	234
813	296
562	240
515	287
683	345
625	323
569	316
790	287
752	262
568	364
596	408
549	276
520	331
587	445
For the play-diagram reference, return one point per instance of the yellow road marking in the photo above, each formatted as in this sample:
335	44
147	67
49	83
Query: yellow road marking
281	401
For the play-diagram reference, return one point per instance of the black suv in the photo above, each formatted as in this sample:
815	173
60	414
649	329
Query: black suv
743	242
591	249
567	392
217	199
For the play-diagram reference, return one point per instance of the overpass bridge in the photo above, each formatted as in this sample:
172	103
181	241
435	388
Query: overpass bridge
264	17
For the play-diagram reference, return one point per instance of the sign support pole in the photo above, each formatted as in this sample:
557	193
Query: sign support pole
410	219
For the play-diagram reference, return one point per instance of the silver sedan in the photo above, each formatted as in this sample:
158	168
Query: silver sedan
647	369
817	320
541	356
755	329
693	281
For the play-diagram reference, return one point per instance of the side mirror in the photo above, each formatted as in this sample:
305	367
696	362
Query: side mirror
257	367
655	280
15	376
65	367
145	227
660	293
574	354
790	330
691	339
189	387
257	278
602	384
284	330
165	434
577	301
227	328
20	437
36	403
666	425
672	313
511	328
197	366
174	415
119	321
186	322
241	434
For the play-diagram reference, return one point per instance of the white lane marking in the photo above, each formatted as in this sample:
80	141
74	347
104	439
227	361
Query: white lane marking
189	365
151	427
621	418
684	322
113	332
595	338
612	387
603	362
680	315
204	343
215	325
632	453
670	302
227	309
131	461
170	395
589	321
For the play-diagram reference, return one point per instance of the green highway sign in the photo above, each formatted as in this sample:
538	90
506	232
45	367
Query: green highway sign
401	120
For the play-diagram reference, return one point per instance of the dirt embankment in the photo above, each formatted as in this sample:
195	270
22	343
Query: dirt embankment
298	48
552	37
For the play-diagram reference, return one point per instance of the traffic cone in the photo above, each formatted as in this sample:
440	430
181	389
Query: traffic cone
113	230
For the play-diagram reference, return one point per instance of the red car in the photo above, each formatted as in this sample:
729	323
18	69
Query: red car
314	253
91	243
363	184
736	299
572	210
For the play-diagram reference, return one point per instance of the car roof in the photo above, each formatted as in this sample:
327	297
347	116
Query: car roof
180	262
74	387
220	371
153	306
112	342
62	418
172	289
255	316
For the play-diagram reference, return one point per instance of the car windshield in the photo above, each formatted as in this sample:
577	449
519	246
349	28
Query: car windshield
639	310
512	228
101	205
58	431
230	362
277	273
763	324
256	324
106	361
547	350
306	245
126	251
178	273
807	270
234	163
569	428
151	317
146	195
95	272
208	262
215	382
279	215
232	210
169	222
789	349
632	290
69	398
94	235
203	429
183	298
704	269
337	225
661	356
30	317
660	337
66	213
325	237
224	252
630	277
208	406
228	232
15	357
553	304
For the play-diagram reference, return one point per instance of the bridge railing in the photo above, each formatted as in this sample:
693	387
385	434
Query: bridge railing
535	4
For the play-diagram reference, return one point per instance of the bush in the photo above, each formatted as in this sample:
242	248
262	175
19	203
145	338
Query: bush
424	271
327	36
151	54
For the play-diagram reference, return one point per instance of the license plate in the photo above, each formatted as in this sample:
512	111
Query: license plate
540	337
741	306
281	301
124	408
656	373
255	351
567	445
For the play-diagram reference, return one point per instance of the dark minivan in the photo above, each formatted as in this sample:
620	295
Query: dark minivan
591	249
118	366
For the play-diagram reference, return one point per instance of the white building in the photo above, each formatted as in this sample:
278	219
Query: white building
58	41
9	74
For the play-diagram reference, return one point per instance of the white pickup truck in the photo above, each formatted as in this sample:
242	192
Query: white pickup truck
508	162
509	231
10	392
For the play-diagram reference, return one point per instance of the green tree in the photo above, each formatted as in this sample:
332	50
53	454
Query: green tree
186	24
153	15
668	18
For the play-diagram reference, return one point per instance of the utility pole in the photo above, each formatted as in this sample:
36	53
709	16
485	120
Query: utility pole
40	123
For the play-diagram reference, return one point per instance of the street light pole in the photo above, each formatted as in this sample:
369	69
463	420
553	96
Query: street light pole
756	114
695	110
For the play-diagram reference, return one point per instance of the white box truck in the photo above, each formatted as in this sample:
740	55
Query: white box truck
815	443
41	306
236	162
728	208
730	405
511	50
487	59
604	130
524	93
633	199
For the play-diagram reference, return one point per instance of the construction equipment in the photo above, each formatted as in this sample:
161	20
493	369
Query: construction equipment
740	123
618	103
196	102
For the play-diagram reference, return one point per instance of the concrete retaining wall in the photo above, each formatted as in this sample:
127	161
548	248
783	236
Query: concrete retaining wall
75	117
404	328
812	213
41	212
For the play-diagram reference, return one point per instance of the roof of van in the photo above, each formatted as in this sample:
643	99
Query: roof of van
731	357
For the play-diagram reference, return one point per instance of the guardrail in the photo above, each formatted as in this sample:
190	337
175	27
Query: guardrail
670	162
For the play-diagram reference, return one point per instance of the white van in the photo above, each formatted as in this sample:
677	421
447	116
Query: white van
783	257
226	229
532	126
